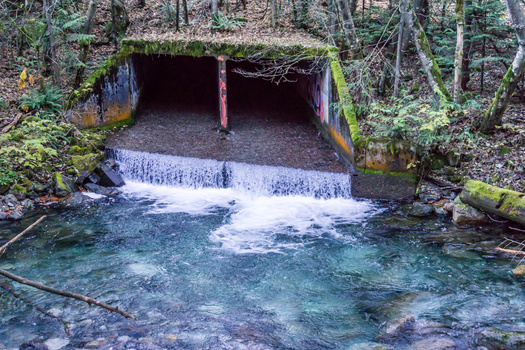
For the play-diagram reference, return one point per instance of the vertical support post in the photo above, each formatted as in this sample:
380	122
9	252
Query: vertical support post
223	100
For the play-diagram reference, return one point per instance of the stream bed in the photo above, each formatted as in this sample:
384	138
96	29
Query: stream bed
221	268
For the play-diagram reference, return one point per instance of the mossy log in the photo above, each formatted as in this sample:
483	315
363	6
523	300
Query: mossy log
505	203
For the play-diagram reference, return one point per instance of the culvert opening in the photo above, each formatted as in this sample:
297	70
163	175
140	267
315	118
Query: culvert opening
270	124
176	82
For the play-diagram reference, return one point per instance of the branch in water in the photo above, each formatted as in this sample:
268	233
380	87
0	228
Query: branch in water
65	293
5	285
4	247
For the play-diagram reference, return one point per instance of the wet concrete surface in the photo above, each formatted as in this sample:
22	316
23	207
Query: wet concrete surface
275	138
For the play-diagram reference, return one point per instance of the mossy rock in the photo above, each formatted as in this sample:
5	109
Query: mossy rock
438	163
77	150
86	162
19	191
63	185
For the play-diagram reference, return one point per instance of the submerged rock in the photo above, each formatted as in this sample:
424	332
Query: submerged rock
16	215
76	199
34	344
371	346
101	190
519	271
56	343
399	326
434	343
494	339
421	210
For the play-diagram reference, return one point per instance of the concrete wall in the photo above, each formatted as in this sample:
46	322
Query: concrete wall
113	99
380	167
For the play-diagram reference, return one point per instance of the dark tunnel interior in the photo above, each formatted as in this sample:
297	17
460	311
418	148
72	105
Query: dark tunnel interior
190	83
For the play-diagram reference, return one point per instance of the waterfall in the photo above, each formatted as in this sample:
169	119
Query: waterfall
159	169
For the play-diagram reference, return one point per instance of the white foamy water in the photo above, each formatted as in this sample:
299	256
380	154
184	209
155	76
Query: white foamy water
268	209
256	224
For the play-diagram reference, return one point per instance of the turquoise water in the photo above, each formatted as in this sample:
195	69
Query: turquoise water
220	268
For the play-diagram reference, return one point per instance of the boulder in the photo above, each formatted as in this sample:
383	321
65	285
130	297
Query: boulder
420	210
19	192
109	177
398	326
3	215
86	162
494	339
75	200
434	343
4	188
465	215
101	190
63	185
16	215
453	158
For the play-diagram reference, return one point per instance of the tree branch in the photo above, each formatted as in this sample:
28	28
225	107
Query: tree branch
65	294
17	237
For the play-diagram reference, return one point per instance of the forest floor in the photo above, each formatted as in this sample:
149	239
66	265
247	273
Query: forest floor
497	158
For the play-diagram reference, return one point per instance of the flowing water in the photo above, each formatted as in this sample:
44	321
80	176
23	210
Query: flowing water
214	255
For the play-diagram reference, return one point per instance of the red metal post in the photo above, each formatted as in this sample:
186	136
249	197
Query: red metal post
223	100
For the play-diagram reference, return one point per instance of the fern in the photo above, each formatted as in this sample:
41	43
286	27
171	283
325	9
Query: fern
80	38
47	99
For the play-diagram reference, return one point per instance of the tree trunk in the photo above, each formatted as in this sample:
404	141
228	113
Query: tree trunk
353	6
177	16
273	13
402	24
465	67
85	46
52	44
349	28
458	60
427	59
514	73
185	6
214	6
141	3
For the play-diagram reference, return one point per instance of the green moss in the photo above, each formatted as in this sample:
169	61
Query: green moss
493	115
389	173
19	189
57	178
508	203
116	125
87	162
344	97
87	87
198	48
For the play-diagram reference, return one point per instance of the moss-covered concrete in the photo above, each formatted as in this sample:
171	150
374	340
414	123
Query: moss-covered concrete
502	202
198	48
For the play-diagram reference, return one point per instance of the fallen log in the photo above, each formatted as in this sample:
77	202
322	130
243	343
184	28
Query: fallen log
505	203
14	239
66	294
511	251
13	123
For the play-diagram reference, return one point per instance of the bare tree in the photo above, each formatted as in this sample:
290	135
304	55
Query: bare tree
427	59
85	45
458	60
402	27
514	74
349	27
52	44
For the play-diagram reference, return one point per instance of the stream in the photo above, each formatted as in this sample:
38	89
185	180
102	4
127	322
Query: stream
253	257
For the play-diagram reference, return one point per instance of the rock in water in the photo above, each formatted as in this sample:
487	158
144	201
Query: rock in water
498	339
434	343
465	215
109	177
101	190
421	210
16	215
63	185
519	271
56	343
